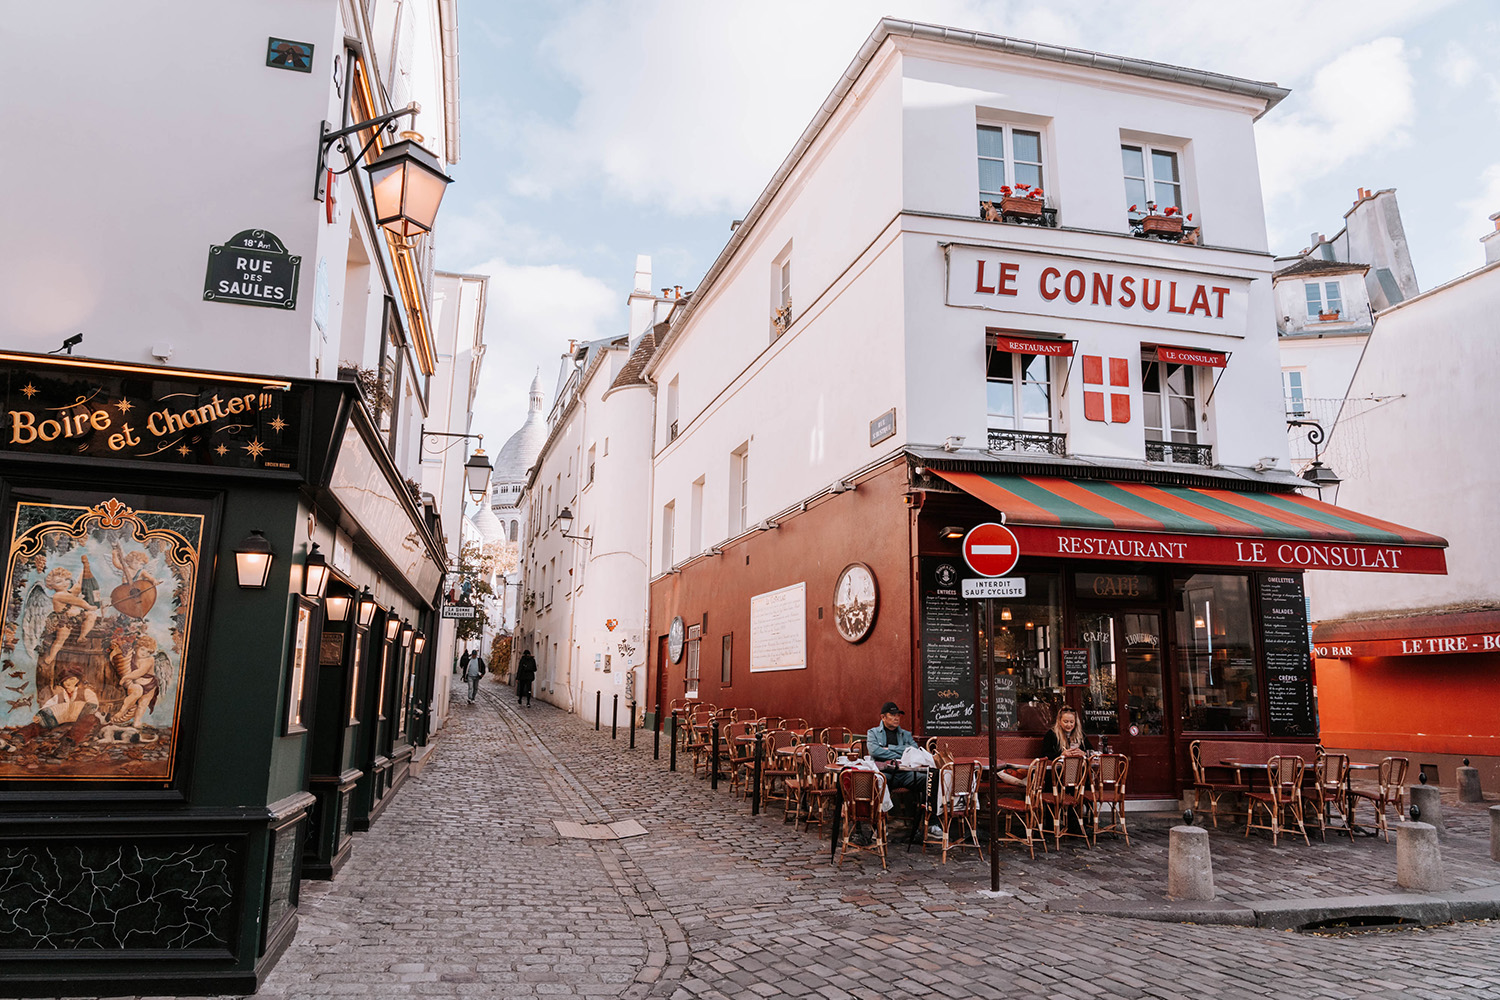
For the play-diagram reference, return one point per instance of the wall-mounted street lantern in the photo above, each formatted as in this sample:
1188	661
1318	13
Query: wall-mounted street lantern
252	558
314	573
367	608
418	644
406	632
565	521
1317	474
392	626
406	180
336	609
477	473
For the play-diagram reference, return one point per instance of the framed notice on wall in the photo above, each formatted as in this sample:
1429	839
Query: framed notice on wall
778	629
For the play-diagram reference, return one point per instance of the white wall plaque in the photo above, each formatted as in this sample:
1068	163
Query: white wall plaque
778	629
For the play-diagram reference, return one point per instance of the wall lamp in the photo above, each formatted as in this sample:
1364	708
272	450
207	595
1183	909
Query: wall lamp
476	470
406	180
840	487
406	632
367	608
952	533
565	521
392	626
314	573
252	558
336	609
1317	474
418	644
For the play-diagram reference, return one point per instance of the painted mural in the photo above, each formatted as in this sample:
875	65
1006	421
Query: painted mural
97	612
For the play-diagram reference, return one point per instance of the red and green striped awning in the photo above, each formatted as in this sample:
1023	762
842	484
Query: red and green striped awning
1145	523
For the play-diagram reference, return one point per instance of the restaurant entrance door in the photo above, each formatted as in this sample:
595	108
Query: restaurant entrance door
1124	702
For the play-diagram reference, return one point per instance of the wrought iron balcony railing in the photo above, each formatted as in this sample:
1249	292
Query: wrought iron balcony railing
1039	442
1179	453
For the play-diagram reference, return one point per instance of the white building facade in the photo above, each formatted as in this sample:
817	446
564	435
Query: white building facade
906	338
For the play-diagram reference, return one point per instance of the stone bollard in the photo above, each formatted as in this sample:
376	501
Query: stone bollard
1190	869
1468	783
1429	803
1419	860
1495	833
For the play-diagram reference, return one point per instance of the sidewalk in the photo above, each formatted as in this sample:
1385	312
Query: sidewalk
466	889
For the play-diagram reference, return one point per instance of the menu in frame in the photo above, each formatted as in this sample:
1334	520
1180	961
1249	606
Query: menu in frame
947	651
1287	656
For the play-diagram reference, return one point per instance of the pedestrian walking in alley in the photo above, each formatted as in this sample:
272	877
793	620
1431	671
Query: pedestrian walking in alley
463	662
525	673
472	672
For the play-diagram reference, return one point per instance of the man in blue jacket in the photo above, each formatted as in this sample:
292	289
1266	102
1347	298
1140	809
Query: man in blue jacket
886	742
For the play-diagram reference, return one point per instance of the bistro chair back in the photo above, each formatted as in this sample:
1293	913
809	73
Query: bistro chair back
1326	791
777	768
864	794
1211	782
795	722
1107	788
1387	793
1026	810
737	750
741	714
957	802
1068	800
1282	799
817	782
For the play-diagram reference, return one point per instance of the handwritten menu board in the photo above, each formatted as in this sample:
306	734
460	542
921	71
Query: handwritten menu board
1075	667
1287	655
947	652
1005	698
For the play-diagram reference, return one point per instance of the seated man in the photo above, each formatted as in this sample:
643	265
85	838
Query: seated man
886	742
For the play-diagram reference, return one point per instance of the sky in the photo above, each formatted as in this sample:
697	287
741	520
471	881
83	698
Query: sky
596	130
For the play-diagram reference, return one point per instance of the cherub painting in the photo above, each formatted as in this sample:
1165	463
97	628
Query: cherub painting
94	679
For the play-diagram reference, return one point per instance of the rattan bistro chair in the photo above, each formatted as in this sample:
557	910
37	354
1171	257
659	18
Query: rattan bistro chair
1385	795
864	793
1107	788
1325	792
1283	797
777	768
957	801
814	784
1027	809
1068	799
1204	785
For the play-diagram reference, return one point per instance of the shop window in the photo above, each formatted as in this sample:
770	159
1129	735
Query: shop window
1027	652
1151	176
1018	391
1008	158
1169	395
1101	699
1217	679
1323	300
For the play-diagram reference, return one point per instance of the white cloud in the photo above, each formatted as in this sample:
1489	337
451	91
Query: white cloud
533	312
1475	220
1361	102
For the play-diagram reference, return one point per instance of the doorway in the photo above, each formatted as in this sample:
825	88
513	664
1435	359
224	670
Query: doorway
1124	704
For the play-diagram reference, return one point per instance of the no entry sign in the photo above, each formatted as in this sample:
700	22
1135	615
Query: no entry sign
991	549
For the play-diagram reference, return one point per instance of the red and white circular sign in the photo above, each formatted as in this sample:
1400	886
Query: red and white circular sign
991	549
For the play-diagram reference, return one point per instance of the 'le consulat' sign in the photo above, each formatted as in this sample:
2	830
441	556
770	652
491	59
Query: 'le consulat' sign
254	269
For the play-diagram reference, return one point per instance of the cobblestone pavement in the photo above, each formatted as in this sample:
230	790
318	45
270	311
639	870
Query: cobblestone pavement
465	889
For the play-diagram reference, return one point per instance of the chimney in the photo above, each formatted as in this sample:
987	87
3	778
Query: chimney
678	290
1491	241
1317	238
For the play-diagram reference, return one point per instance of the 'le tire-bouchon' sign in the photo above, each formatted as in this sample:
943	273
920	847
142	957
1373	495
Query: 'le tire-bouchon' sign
253	269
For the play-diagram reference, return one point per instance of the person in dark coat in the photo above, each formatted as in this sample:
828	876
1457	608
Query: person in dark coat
525	674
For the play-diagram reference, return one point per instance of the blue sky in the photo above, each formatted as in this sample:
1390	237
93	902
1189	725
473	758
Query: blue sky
594	130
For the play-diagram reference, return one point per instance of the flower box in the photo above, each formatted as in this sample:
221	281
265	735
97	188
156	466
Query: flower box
1325	317
1031	207
1162	224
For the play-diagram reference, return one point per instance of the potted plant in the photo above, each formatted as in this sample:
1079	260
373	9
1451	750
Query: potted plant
1023	200
781	319
1328	316
1168	222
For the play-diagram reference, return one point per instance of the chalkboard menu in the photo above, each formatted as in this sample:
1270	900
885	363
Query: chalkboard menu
1288	658
1005	697
1075	667
947	652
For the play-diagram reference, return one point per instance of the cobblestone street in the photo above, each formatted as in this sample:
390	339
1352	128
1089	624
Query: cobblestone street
464	888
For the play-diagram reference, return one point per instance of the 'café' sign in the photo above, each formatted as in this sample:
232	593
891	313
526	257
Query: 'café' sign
104	412
253	268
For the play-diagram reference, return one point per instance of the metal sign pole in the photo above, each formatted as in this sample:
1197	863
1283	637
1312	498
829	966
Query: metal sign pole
614	718
713	760
673	766
656	739
989	671
632	725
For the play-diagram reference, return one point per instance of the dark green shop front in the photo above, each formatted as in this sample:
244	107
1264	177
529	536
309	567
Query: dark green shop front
186	732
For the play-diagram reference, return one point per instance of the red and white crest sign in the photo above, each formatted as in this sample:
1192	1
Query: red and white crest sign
610	623
991	549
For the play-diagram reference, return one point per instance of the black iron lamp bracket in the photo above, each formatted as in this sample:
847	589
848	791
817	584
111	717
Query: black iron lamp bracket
432	449
328	136
1316	435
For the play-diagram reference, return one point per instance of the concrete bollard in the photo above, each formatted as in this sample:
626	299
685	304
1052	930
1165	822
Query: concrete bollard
1468	784
1495	833
1419	860
1429	804
1190	869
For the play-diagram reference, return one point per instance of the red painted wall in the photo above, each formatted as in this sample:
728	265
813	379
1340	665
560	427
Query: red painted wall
844	684
1421	704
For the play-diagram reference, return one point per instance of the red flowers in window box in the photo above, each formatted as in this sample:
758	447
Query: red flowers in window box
1168	222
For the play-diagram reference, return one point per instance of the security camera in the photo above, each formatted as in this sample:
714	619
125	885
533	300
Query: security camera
1265	464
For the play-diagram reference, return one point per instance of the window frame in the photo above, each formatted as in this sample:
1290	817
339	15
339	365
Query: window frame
1148	150
1007	158
1163	410
739	490
1300	395
1018	383
1321	286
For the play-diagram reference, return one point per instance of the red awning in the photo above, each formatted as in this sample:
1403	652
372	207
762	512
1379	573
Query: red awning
1410	635
1076	518
1031	345
1191	356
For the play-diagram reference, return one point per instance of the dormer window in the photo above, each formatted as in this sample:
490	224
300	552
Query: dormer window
1324	300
